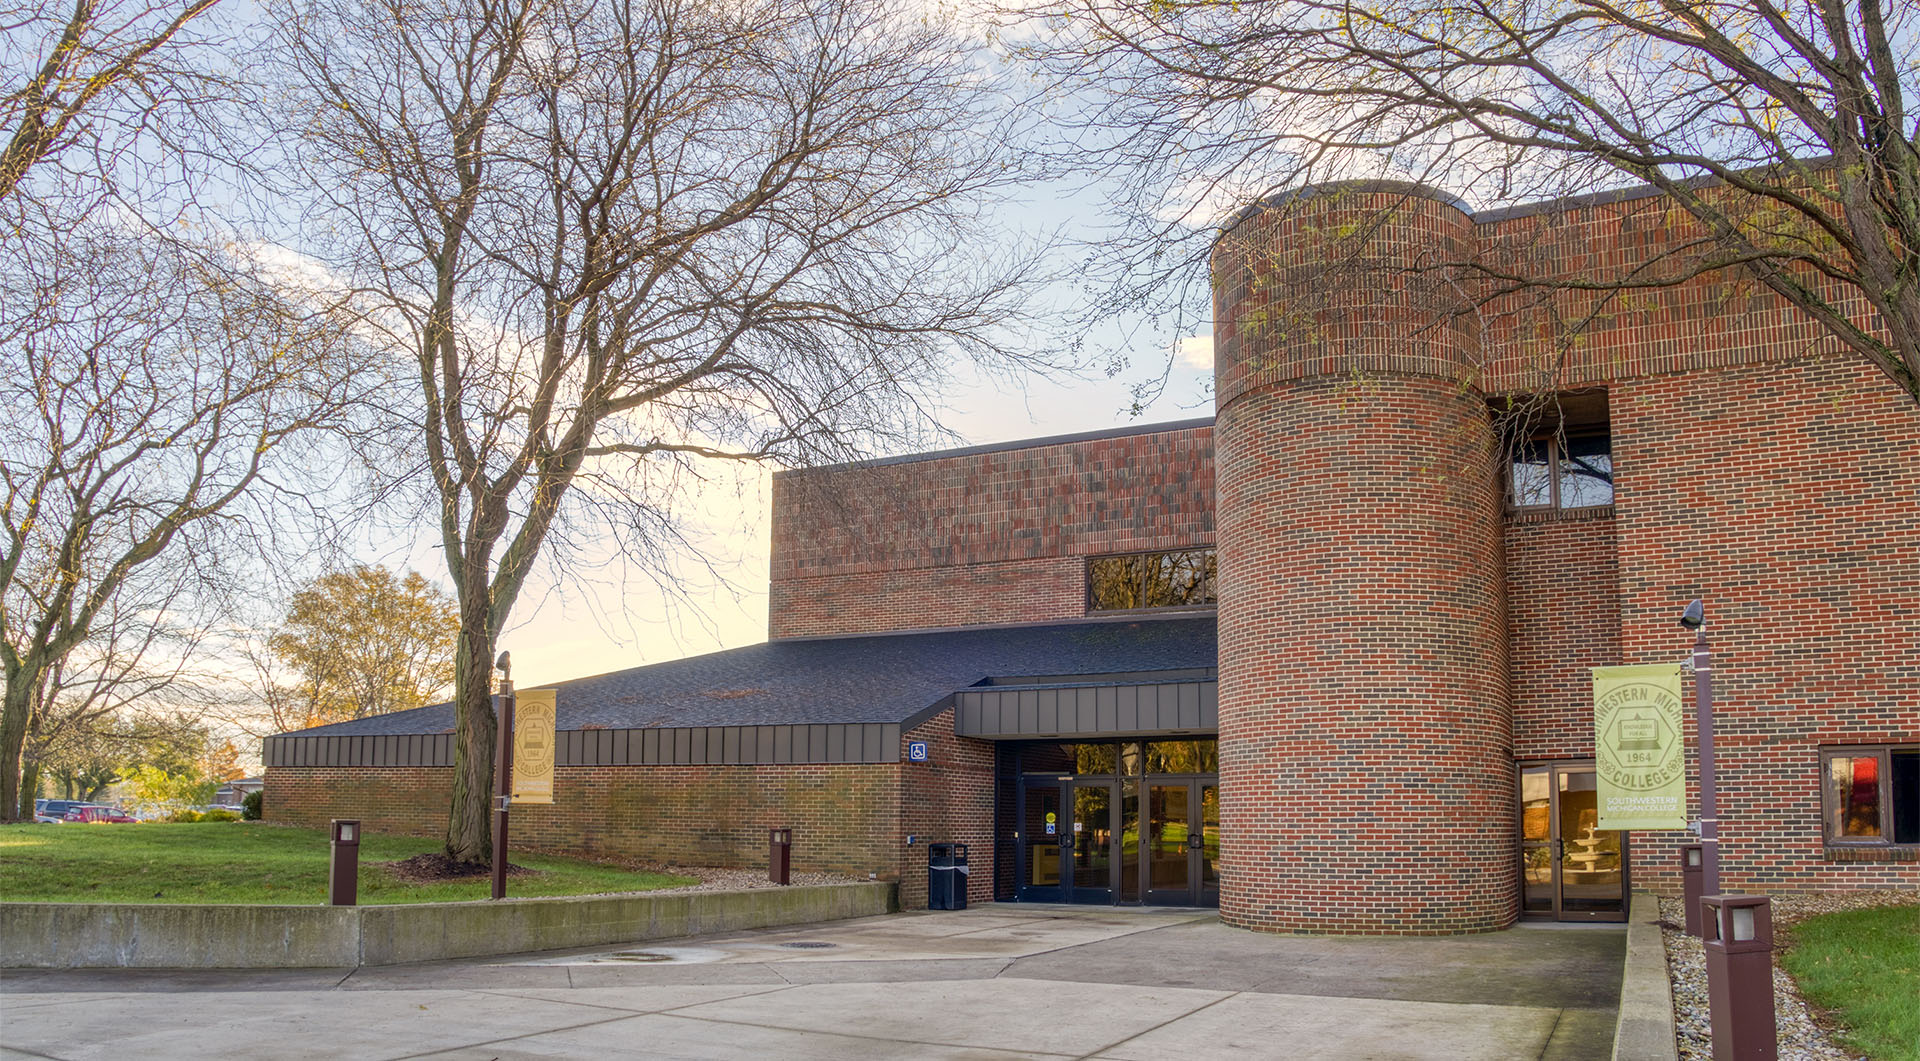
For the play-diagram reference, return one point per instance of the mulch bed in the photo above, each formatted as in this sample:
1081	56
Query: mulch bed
435	867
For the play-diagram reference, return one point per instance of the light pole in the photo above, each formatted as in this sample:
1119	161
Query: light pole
1695	619
502	775
1736	930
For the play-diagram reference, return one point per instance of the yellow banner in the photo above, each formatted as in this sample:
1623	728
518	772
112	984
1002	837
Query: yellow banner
533	746
1638	748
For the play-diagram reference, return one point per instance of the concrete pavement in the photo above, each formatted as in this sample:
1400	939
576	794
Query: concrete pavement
994	981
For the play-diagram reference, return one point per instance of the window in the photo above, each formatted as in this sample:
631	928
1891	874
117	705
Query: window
1181	579
1871	794
1575	471
1560	451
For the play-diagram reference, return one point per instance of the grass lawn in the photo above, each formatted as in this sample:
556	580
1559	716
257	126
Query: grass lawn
1863	966
247	862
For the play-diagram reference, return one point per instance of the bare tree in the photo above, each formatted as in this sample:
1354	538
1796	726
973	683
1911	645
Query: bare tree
1786	132
132	671
156	407
622	238
101	80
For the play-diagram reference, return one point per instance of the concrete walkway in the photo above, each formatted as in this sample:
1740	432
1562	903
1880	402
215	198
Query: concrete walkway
993	981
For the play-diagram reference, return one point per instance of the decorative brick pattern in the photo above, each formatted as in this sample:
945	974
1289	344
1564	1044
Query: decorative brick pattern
1000	536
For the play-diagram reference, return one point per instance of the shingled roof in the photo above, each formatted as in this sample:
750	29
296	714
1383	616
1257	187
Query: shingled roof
896	678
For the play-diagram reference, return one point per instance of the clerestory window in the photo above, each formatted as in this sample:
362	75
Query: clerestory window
1176	579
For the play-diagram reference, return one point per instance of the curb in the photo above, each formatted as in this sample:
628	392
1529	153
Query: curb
1645	1029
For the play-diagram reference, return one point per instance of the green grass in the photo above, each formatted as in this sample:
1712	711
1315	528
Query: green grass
235	862
1863	966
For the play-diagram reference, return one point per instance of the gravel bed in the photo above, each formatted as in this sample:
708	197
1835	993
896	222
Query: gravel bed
729	880
1803	1036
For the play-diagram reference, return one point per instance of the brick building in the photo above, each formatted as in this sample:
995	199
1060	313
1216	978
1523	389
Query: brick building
1323	659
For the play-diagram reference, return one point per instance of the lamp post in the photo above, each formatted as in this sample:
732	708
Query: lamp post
1736	930
502	779
1695	619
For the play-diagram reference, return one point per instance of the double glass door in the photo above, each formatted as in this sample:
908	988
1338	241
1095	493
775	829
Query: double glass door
1104	840
1067	840
1570	868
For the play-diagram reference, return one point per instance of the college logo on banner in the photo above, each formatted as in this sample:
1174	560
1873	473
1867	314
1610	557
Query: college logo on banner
533	746
1638	749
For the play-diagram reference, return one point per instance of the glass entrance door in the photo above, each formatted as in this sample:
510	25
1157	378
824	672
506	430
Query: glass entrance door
1067	840
1183	842
1571	870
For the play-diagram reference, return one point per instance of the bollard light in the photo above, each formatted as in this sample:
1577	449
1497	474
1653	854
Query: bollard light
1693	858
1739	958
343	868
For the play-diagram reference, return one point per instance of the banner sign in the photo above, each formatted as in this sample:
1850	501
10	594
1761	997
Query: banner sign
1638	749
533	746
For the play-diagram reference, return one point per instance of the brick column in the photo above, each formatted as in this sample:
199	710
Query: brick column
1365	725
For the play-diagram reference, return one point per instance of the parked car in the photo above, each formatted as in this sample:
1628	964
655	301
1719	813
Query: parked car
93	815
55	811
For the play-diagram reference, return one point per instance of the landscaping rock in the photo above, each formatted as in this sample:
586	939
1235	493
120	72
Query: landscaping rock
1803	1037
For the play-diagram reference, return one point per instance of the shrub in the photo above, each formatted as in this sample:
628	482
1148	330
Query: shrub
220	816
250	807
182	814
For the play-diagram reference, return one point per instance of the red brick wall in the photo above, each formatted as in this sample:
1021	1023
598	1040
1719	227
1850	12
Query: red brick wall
1563	609
844	817
1366	763
948	799
403	801
1788	496
992	537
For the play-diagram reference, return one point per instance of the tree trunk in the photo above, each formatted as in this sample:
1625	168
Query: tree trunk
469	832
13	736
29	789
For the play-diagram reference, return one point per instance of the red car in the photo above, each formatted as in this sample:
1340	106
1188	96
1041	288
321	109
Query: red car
97	816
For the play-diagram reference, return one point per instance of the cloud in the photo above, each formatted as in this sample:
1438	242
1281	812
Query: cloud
1194	352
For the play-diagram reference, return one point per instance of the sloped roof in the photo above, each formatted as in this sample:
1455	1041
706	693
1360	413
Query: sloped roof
876	678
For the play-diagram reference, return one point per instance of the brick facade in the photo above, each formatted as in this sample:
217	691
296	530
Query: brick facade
1393	641
999	535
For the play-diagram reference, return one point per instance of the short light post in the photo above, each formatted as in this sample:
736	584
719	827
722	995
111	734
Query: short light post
343	869
1736	930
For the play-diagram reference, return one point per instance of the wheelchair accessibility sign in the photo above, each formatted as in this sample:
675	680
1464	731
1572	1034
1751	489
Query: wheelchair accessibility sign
917	751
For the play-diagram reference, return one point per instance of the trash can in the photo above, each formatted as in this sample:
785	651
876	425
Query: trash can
940	877
958	900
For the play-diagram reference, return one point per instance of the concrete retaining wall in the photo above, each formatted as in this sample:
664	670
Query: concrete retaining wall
107	935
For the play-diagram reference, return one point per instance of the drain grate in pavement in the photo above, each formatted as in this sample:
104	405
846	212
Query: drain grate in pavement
638	956
808	945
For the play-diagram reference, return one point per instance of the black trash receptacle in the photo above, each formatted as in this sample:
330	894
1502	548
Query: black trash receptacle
940	876
958	900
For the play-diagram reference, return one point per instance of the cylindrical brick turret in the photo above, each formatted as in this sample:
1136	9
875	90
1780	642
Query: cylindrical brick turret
1366	769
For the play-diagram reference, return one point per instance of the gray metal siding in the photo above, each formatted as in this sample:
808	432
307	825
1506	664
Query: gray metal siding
1088	711
852	742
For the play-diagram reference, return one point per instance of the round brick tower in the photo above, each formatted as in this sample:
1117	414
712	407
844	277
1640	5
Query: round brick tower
1366	767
